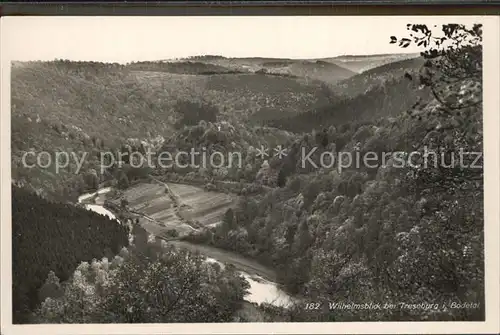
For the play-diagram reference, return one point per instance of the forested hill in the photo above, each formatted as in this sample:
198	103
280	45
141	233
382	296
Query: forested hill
383	91
376	76
363	63
388	233
395	228
326	71
389	99
93	107
54	237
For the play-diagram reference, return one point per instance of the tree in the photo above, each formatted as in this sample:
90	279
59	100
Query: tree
92	179
449	198
281	178
191	113
51	288
303	238
42	241
172	233
291	229
264	172
453	70
453	73
124	203
228	219
176	286
123	182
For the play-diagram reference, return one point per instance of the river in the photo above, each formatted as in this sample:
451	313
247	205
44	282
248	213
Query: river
262	288
98	205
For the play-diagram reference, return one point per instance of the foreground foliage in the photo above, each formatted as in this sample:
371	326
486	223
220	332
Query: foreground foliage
151	282
54	237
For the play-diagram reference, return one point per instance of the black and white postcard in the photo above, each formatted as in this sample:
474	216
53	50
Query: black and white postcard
291	174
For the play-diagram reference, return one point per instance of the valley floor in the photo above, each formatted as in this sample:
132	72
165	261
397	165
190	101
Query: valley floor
163	207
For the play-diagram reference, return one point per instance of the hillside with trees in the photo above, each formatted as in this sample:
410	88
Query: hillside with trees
181	67
362	63
378	76
92	107
393	233
310	69
385	100
235	142
126	289
54	237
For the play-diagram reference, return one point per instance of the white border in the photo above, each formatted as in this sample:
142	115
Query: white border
492	231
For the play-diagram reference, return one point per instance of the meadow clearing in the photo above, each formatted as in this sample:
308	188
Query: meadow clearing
186	208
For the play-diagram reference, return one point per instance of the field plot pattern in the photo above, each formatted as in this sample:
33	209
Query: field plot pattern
202	206
162	213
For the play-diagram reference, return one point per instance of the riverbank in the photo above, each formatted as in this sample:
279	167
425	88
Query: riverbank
240	262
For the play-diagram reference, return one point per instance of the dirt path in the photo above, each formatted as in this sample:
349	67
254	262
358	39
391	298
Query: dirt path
175	199
178	204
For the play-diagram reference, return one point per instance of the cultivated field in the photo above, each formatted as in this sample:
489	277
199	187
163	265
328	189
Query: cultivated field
206	208
163	211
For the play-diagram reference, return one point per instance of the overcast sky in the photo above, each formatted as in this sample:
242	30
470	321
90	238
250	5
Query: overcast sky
125	39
